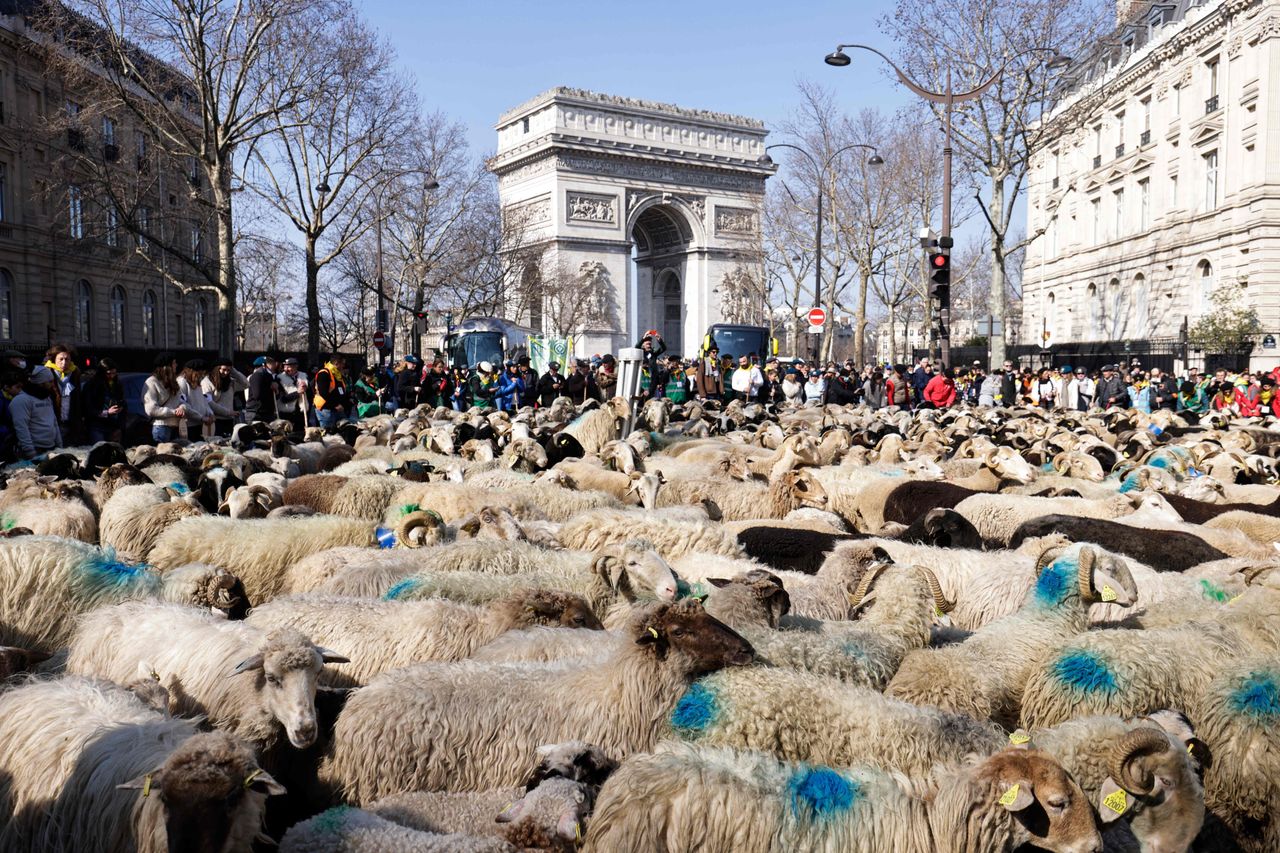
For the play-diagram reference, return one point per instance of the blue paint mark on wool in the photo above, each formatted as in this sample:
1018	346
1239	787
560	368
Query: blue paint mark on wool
1057	582
104	571
1047	468
401	588
823	791
1085	672
332	821
1257	696
684	589
1130	483
696	710
179	488
1158	462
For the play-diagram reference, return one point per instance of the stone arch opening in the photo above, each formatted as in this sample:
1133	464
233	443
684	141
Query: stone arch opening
662	240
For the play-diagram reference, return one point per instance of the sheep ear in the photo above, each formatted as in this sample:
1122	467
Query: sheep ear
249	663
330	656
719	582
262	782
609	567
511	813
1109	589
1113	801
1016	795
469	525
146	783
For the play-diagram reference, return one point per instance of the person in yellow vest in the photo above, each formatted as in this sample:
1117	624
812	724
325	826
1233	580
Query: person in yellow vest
332	401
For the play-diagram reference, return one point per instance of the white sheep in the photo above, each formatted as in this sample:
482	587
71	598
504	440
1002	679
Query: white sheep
87	766
599	426
135	516
381	635
593	530
449	745
245	680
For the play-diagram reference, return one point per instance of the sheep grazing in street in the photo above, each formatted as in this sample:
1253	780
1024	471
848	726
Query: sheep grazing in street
85	765
248	681
382	635
749	802
620	704
984	675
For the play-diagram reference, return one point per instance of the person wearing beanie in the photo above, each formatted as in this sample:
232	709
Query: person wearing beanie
35	420
221	387
483	385
160	400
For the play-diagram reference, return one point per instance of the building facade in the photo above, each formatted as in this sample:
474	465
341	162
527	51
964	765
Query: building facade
1156	180
636	215
69	267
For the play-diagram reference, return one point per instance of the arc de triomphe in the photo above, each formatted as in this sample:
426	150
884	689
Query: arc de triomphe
590	182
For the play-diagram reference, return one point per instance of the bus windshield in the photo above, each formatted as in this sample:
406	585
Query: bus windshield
474	347
741	341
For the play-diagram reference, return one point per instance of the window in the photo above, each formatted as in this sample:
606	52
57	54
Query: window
1093	312
117	315
143	217
179	333
1096	208
6	305
1051	315
149	318
1173	190
75	211
197	253
202	310
4	191
84	311
108	131
524	125
1177	99
73	110
1117	225
143	145
1146	113
1097	141
1052	229
1140	309
112	220
1213	76
1203	287
1211	180
1144	204
1115	315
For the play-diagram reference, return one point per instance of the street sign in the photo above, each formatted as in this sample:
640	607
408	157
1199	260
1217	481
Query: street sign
817	317
1269	342
380	339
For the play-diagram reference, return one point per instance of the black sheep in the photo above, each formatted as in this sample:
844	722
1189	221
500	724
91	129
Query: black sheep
944	528
913	498
1162	550
1198	512
794	549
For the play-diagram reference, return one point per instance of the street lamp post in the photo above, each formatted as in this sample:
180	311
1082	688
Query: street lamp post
948	99
820	174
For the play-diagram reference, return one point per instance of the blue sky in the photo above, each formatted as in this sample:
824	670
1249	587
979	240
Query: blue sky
472	60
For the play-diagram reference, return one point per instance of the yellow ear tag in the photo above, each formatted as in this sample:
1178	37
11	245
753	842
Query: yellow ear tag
654	633
1019	737
146	785
1237	598
1108	594
1009	796
1117	801
937	611
1190	747
577	831
248	780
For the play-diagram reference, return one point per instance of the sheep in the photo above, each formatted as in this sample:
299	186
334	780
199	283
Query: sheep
984	675
804	717
1143	770
90	767
50	582
343	829
1259	527
59	511
635	488
258	551
314	490
247	681
590	531
1236	716
364	497
1167	550
135	516
620	705
248	502
997	516
943	528
382	635
598	427
690	798
738	501
532	501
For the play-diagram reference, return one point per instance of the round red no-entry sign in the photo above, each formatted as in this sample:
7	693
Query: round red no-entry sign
379	339
817	316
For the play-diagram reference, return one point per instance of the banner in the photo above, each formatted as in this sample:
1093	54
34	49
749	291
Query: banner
543	350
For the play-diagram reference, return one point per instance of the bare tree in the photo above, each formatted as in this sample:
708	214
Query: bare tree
788	245
201	79
328	151
262	290
995	132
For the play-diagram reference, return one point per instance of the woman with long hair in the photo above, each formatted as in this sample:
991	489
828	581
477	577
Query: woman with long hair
104	403
221	387
68	406
161	399
199	417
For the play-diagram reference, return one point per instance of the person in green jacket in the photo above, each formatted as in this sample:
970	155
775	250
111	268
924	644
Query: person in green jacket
368	395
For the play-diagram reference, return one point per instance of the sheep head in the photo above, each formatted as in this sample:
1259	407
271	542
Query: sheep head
247	502
620	456
211	792
1101	577
286	669
806	489
1154	784
1008	464
548	816
525	454
574	760
492	522
645	487
550	608
635	570
1081	465
686	631
420	527
766	588
1047	806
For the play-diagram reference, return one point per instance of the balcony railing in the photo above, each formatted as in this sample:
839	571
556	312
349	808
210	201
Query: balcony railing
1145	139
1097	161
1211	105
1119	150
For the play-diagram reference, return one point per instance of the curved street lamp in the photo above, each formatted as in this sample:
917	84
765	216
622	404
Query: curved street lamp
820	173
948	99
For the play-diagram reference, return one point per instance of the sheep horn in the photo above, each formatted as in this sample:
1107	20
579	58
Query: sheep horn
868	578
1046	557
1085	574
939	600
1135	745
411	529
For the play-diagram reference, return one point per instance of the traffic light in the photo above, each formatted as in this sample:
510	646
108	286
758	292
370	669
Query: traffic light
420	323
939	275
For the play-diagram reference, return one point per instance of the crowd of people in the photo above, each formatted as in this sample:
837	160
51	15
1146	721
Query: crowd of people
50	405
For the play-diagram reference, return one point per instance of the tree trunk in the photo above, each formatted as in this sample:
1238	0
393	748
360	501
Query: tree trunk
996	210
313	304
860	321
221	191
893	332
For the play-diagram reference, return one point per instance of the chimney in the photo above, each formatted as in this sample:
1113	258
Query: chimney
1126	10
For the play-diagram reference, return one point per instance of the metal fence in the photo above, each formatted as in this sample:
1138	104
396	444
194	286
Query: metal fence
1092	355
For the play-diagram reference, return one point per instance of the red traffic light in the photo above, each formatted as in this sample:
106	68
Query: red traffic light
939	261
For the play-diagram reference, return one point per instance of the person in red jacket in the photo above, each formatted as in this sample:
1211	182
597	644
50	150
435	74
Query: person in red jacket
940	393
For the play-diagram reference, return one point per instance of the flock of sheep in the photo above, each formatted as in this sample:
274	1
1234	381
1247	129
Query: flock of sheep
683	629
